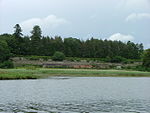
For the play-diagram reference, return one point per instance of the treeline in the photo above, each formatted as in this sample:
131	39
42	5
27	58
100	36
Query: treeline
36	44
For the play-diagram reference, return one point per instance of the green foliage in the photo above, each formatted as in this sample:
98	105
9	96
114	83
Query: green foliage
44	73
72	47
146	58
5	55
17	40
36	32
95	49
118	59
107	59
58	56
6	64
138	68
70	59
31	67
35	40
17	31
33	58
45	58
4	51
142	68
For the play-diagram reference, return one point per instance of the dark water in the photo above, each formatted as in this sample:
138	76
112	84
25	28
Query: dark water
76	95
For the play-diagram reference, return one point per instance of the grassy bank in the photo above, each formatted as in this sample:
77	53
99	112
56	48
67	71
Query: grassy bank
6	74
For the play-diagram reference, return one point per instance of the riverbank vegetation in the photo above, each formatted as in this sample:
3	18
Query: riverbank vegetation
93	51
36	73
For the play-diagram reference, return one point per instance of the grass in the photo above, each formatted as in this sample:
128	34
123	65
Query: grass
6	74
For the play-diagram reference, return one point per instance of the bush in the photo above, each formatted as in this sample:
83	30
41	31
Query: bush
7	64
70	59
137	68
107	59
87	60
31	68
125	62
118	59
142	68
58	56
77	59
146	58
33	58
45	58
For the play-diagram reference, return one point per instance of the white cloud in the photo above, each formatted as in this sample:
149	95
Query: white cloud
121	37
138	16
50	22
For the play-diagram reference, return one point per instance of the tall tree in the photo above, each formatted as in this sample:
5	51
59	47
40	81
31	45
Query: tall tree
35	40
17	31
17	40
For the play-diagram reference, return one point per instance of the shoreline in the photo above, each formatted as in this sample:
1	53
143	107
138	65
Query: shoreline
14	74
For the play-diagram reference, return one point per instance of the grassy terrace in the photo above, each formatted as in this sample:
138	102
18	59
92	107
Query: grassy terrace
6	74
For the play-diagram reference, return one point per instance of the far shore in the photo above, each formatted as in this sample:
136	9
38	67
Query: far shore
38	73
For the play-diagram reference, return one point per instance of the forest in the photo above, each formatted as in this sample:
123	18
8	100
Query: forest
36	44
17	44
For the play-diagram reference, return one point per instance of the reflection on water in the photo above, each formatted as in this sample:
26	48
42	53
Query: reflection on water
76	95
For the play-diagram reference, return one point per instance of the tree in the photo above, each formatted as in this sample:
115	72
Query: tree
17	31
58	56
36	32
35	40
4	51
37	44
72	47
17	40
146	58
5	55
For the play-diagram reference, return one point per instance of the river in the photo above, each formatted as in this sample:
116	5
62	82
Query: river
76	95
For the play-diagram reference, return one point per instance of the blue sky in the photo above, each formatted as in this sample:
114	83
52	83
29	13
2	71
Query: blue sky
106	19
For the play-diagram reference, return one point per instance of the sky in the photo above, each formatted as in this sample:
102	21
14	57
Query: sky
103	19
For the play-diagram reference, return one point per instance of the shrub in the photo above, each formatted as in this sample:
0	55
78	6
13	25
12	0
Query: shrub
146	58
78	59
142	68
58	56
70	59
45	58
31	68
107	59
125	62
33	58
7	64
118	59
88	60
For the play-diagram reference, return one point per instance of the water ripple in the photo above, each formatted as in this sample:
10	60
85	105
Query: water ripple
111	106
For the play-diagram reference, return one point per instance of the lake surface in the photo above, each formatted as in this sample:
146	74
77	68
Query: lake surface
76	95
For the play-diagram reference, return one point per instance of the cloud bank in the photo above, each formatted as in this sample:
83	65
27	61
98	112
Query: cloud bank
50	22
121	37
137	16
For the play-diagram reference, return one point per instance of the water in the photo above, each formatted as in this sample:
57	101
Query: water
76	95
